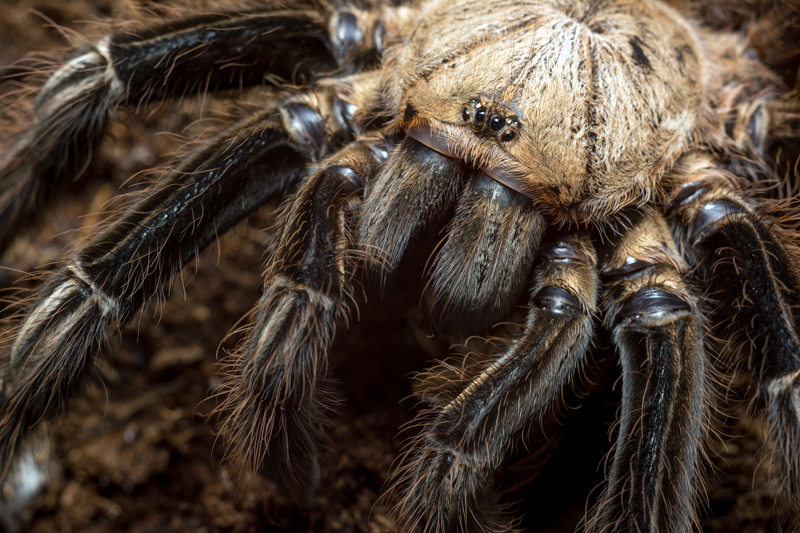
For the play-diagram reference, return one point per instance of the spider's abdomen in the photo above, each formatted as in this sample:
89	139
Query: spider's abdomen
604	95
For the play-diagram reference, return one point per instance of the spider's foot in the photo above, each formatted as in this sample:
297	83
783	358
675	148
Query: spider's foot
446	492
274	406
49	353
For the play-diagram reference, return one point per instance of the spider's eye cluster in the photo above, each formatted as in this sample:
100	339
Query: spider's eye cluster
476	114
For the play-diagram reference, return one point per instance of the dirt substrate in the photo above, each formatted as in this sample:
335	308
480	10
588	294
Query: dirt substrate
139	452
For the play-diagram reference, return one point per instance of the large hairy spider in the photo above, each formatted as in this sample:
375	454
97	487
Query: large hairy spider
606	164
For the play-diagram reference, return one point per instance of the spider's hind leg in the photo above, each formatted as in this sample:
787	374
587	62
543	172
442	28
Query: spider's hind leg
276	399
761	132
135	66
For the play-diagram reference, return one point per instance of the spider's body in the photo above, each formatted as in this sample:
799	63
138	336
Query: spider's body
627	75
581	152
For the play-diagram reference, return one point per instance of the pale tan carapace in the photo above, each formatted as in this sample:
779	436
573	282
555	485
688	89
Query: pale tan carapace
604	100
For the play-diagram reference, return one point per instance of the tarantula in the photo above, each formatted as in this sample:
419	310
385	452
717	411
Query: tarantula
595	160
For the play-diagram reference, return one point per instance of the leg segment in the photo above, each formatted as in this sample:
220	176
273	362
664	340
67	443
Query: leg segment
754	282
767	137
275	403
133	259
415	185
483	266
447	471
183	57
665	403
761	121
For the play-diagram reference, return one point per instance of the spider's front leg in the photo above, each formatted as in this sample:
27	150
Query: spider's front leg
750	269
276	401
135	257
135	66
652	312
447	471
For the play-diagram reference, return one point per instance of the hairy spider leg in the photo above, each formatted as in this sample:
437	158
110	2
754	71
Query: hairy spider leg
753	283
658	331
276	401
447	470
194	55
781	132
761	119
53	348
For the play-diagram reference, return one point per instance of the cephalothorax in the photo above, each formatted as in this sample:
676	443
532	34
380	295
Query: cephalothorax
584	157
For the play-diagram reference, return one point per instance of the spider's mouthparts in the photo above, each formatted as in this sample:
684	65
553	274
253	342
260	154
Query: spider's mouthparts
496	164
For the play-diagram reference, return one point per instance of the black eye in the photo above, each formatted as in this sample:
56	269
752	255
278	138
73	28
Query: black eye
465	114
480	114
508	136
497	122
